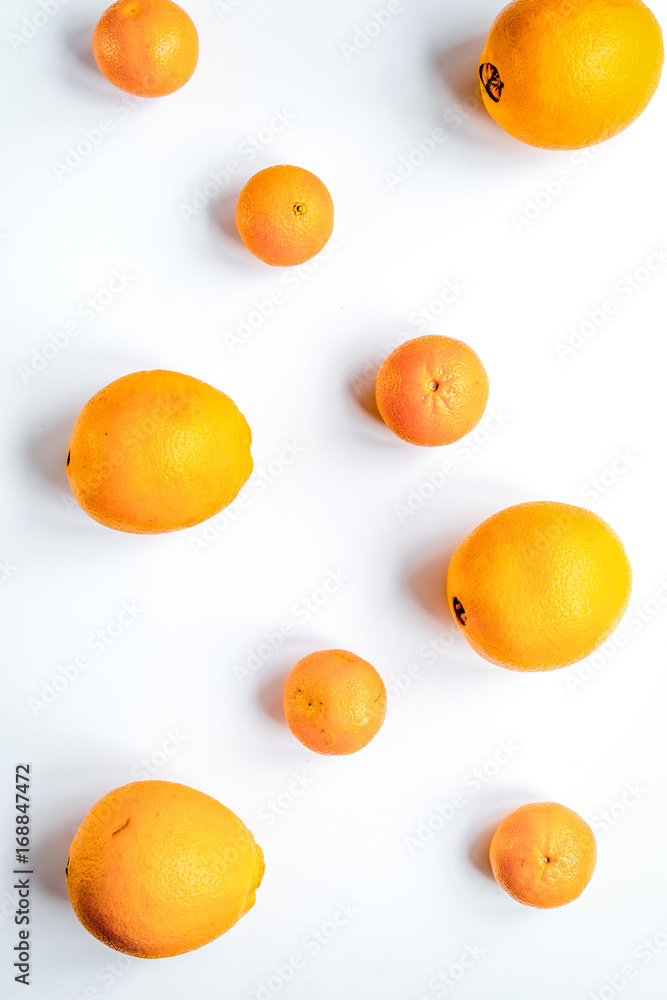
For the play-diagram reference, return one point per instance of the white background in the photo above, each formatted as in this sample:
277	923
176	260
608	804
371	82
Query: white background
459	217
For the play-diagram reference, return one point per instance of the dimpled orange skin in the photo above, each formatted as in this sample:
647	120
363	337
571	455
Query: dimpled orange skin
539	585
157	451
158	869
334	701
432	390
573	72
543	854
148	48
284	215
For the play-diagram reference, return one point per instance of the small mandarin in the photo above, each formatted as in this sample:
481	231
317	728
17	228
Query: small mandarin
432	390
543	854
334	702
284	215
148	48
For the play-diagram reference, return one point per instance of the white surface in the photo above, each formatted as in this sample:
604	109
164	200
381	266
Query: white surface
332	510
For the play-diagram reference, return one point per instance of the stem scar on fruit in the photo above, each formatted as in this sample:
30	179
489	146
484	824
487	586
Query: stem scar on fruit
491	81
459	611
299	208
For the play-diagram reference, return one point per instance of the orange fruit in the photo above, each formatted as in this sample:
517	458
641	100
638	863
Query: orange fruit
334	701
146	47
564	74
432	390
157	869
543	854
156	451
284	215
539	585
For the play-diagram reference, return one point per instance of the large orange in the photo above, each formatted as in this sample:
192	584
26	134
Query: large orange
284	215
539	585
157	869
432	390
146	47
156	451
334	701
543	854
564	74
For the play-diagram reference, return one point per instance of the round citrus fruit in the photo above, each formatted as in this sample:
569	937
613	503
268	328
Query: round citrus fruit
284	215
543	854
157	869
157	451
539	585
564	75
334	701
432	390
146	47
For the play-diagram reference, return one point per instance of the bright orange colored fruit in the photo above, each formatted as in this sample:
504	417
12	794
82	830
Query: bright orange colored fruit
156	451
432	390
539	585
564	74
146	47
157	869
284	215
334	701
543	854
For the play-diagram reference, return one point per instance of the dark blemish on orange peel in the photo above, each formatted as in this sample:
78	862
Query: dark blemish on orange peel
491	81
459	611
